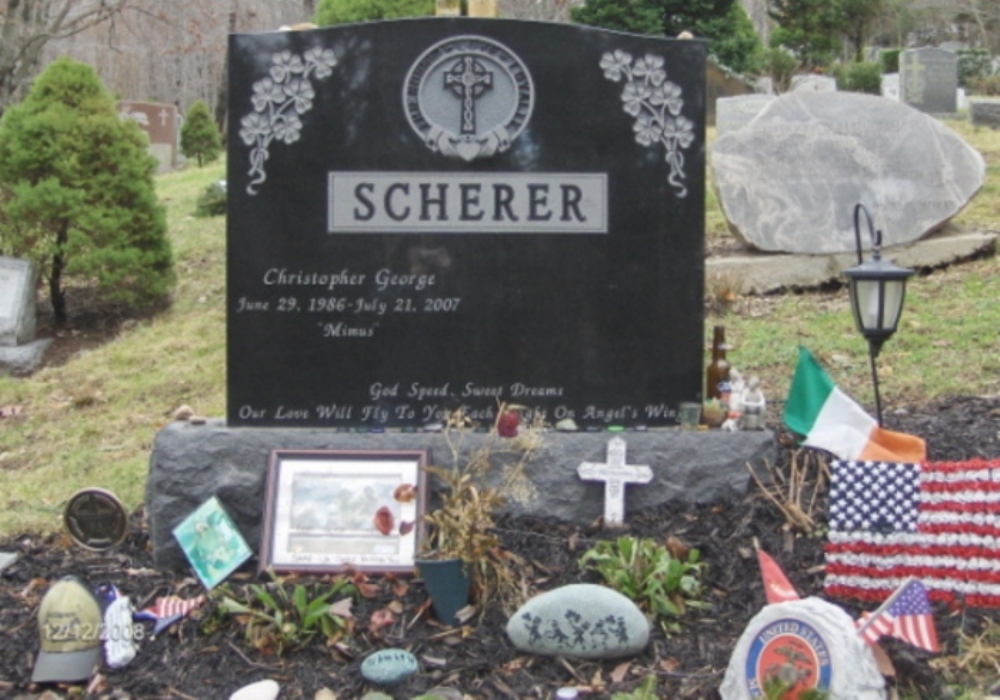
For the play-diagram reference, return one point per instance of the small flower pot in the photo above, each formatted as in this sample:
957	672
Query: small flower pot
448	583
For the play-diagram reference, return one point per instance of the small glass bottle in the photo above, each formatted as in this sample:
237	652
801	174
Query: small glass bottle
717	376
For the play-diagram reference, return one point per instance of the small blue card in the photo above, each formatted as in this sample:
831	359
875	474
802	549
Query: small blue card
212	543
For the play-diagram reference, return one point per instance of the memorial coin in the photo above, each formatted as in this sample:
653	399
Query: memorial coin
95	518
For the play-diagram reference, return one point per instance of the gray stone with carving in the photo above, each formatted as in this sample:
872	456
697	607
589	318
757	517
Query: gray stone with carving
733	113
583	621
809	643
789	181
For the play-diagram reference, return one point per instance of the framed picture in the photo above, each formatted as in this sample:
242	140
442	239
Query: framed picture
329	510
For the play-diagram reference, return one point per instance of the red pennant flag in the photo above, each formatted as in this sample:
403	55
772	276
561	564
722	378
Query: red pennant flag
776	586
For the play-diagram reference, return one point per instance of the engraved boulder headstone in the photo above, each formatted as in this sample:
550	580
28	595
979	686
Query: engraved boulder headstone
439	213
19	351
733	113
789	181
928	79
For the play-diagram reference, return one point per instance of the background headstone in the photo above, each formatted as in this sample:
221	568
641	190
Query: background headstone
810	82
721	83
20	353
162	124
17	301
984	111
439	213
890	86
733	113
789	181
928	79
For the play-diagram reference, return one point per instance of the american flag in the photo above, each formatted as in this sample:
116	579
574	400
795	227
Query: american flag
907	615
936	521
167	610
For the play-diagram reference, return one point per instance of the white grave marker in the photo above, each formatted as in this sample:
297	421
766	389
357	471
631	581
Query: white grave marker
615	474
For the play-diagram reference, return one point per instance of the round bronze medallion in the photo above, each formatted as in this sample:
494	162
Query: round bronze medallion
96	519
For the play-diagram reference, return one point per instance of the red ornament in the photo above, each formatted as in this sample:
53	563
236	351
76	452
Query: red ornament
508	423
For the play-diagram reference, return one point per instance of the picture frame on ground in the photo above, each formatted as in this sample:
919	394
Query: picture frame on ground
327	511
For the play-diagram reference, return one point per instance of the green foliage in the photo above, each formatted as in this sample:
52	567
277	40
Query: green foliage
645	691
973	65
200	137
723	23
77	193
212	200
734	40
988	85
277	619
808	28
776	689
646	572
329	12
781	65
889	60
859	77
858	18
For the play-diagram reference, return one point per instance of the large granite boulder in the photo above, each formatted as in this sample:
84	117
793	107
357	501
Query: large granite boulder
789	180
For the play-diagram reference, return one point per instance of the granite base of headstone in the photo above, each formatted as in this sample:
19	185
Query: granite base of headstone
985	111
190	462
20	352
789	180
803	644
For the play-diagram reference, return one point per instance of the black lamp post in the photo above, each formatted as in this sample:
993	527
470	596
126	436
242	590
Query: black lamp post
878	289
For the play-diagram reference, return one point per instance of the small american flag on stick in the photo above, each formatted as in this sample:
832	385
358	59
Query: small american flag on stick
906	615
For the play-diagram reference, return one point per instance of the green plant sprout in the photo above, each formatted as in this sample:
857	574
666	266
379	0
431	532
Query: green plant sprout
277	620
646	572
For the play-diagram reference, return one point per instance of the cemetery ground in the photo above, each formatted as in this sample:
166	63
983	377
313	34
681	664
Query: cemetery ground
111	381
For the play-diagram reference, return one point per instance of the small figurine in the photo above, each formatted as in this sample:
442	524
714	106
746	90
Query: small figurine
736	388
752	404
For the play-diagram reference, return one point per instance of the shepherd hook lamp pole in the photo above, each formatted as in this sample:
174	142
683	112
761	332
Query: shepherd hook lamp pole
878	289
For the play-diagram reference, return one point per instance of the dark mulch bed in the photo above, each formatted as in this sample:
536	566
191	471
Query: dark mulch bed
199	659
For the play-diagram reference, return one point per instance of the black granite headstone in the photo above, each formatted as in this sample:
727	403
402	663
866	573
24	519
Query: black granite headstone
434	213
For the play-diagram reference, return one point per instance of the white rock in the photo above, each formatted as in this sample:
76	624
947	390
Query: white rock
583	621
261	690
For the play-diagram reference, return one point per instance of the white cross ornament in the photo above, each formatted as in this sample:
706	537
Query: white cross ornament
615	474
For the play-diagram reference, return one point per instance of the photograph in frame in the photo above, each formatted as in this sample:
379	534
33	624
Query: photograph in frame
333	510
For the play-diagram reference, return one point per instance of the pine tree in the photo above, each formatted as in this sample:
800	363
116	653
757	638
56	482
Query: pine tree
199	136
77	192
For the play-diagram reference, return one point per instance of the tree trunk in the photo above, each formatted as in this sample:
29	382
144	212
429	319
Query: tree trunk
56	292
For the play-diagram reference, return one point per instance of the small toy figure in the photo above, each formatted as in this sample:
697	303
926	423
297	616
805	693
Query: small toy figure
752	403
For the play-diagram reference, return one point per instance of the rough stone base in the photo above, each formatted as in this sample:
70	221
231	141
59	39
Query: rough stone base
23	359
190	463
762	273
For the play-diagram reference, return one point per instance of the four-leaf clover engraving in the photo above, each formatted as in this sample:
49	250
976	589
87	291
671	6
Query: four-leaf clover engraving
656	104
278	102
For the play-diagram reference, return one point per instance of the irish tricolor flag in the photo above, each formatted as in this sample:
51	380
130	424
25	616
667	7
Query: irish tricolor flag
832	421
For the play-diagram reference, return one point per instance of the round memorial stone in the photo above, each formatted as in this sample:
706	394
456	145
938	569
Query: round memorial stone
389	666
95	518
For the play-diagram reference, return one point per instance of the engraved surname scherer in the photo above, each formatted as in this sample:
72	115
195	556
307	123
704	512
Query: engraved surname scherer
467	202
